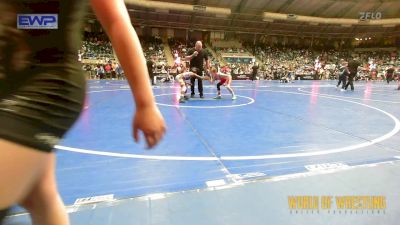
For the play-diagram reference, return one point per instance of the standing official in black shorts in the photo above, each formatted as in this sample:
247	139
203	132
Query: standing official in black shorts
197	57
352	66
254	71
389	74
150	65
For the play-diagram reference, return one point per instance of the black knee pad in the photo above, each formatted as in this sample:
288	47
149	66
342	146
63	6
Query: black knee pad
3	214
219	86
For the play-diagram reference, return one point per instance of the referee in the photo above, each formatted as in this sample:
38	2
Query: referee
197	57
352	66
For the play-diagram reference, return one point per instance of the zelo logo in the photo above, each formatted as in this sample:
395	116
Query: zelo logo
37	21
370	15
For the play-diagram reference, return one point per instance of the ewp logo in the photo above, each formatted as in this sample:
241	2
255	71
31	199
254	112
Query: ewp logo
37	21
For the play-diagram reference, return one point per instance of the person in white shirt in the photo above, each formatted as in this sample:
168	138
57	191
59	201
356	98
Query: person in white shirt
182	77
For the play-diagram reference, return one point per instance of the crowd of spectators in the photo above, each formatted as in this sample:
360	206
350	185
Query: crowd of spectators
272	62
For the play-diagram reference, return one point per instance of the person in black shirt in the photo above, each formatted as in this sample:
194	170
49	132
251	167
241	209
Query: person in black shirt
352	66
389	74
197	56
254	71
150	64
398	80
397	73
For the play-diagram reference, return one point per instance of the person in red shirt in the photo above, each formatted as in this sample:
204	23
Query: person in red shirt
107	68
224	79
